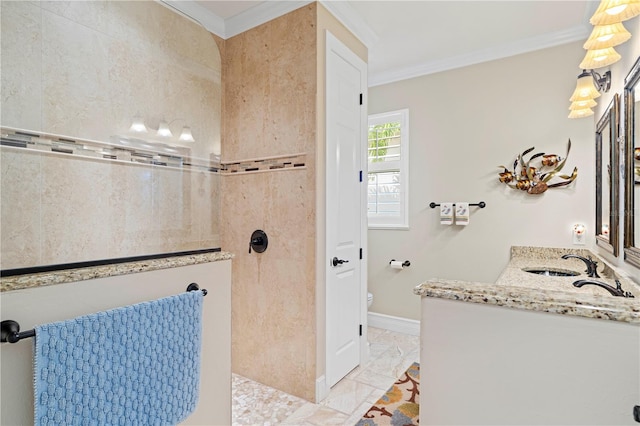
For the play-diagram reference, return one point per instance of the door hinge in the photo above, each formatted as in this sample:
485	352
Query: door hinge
360	253
361	329
360	98
360	175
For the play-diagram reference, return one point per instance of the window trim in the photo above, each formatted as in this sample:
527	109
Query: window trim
402	222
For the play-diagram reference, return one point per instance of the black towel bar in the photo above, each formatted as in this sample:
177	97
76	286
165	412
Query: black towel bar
481	204
10	329
11	332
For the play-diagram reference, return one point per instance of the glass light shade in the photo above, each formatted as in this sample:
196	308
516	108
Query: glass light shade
612	11
589	103
163	130
186	135
599	58
137	126
585	89
604	36
580	113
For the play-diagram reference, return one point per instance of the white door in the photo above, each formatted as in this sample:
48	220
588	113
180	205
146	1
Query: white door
346	139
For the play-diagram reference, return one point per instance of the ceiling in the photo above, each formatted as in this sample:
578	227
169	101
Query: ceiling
411	38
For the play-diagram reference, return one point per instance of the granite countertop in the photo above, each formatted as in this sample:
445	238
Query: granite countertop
18	282
518	289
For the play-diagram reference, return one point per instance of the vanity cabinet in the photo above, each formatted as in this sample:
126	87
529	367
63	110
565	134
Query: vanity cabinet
491	365
530	349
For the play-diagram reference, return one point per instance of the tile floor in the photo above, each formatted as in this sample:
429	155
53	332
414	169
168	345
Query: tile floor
391	354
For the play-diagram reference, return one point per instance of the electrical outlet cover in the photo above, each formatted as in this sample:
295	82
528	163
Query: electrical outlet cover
579	234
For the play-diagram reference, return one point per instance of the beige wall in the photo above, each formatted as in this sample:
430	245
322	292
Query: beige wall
84	69
270	109
464	123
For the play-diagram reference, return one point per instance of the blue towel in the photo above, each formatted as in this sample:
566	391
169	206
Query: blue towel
135	365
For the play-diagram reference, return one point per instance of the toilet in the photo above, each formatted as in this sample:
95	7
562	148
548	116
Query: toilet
369	300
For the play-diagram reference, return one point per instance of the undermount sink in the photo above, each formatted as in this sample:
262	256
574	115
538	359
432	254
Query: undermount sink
551	272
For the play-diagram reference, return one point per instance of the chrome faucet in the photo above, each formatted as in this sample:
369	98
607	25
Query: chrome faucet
614	291
592	265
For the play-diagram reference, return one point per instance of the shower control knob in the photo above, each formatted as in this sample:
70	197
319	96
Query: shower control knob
335	261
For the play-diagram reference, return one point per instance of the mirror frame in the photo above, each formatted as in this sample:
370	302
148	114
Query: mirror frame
631	247
611	118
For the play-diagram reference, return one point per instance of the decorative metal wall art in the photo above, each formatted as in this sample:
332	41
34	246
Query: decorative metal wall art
534	177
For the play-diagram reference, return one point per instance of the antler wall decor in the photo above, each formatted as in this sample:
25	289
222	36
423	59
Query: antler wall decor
534	180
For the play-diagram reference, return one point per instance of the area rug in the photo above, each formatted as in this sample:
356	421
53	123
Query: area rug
400	405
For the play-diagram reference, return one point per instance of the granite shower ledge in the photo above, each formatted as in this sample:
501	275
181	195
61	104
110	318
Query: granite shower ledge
531	299
19	282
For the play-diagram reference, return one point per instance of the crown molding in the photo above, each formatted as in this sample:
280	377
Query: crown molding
259	14
199	14
267	11
226	28
484	55
352	21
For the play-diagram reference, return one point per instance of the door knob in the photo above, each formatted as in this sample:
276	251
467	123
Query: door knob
335	261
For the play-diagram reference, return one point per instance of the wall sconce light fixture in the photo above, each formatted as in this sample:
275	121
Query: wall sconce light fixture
580	109
580	113
163	131
608	32
599	58
589	103
588	87
137	126
186	135
612	11
604	36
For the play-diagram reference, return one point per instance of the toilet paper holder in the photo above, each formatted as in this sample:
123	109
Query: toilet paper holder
404	264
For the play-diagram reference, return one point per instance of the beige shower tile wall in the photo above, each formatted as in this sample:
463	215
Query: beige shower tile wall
20	242
270	88
84	69
58	209
92	66
270	109
273	310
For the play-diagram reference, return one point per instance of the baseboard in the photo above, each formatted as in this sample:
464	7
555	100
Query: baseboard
322	391
388	322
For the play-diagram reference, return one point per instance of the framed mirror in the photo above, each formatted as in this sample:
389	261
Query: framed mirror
607	178
632	167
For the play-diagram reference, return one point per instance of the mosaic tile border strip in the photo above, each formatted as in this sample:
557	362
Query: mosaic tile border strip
132	150
121	148
266	164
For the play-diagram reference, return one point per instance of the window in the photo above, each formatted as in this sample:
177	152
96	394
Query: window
388	186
